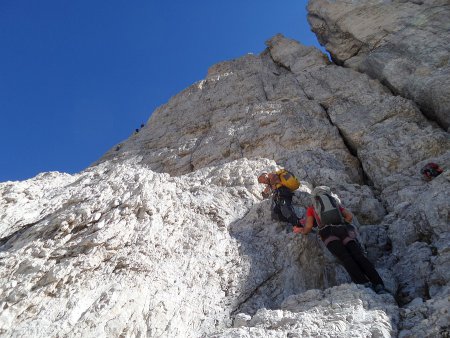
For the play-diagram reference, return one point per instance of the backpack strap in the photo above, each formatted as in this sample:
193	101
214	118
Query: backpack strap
327	211
317	218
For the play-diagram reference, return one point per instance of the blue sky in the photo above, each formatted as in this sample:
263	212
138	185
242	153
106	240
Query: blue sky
78	76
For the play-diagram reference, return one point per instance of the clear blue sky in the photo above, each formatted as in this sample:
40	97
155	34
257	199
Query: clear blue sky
78	76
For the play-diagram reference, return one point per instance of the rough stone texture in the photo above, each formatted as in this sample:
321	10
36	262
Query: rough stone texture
344	311
30	200
428	318
405	44
382	129
166	235
248	107
132	252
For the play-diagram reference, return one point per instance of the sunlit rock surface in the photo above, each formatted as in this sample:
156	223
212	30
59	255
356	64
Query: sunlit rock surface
405	44
343	311
167	235
132	252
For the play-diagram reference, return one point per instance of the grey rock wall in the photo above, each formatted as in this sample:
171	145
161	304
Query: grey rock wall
345	129
404	44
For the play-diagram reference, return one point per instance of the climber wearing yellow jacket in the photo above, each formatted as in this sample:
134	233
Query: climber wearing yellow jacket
280	185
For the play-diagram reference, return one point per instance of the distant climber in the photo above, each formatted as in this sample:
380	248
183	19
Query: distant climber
138	129
339	236
430	171
280	185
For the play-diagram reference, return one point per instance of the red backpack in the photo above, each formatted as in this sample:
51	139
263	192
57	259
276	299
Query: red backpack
430	171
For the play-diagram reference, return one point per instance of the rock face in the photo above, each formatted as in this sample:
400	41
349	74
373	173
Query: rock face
346	311
125	251
404	44
167	235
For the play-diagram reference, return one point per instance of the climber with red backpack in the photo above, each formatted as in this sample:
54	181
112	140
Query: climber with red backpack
339	236
281	184
430	171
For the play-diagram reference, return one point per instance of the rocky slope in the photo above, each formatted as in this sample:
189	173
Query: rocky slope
166	235
403	43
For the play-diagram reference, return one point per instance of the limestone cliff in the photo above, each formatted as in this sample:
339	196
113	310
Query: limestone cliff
403	43
167	235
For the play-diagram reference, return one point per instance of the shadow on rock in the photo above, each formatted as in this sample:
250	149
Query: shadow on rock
279	263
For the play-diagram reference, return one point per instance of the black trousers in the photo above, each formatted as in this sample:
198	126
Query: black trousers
283	208
360	269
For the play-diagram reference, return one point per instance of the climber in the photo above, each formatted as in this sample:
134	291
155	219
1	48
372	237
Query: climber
280	185
430	171
339	236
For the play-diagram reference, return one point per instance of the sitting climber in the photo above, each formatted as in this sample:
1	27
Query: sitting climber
339	236
280	185
430	171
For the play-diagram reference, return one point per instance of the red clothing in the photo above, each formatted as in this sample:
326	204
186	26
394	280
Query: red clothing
310	211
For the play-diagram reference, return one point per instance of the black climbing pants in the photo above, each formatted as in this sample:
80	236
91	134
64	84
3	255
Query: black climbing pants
360	269
282	199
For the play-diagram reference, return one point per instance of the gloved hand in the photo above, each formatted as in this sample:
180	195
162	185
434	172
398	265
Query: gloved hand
297	229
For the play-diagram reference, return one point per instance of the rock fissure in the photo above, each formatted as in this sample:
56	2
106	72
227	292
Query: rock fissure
16	234
255	291
366	179
406	58
197	146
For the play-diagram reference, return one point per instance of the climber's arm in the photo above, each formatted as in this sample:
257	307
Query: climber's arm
266	192
308	225
348	216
